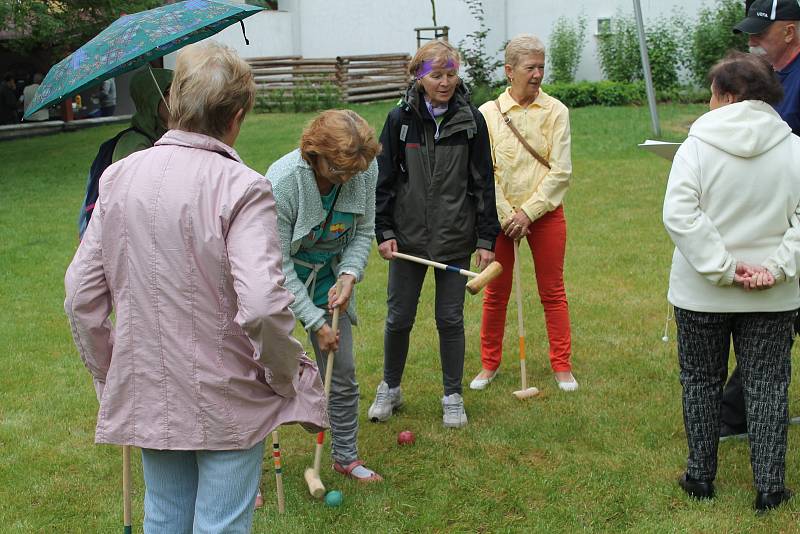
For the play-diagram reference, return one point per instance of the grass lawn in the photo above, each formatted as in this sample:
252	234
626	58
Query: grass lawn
602	459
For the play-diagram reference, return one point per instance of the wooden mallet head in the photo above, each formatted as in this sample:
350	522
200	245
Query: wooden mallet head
492	271
315	486
526	393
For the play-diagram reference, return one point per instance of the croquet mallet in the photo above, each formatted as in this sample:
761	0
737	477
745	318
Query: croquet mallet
315	486
126	489
526	392
276	456
478	280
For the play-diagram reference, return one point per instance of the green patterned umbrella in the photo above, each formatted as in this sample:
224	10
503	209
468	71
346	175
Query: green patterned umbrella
132	41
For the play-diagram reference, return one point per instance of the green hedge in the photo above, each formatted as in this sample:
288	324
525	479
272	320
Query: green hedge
603	93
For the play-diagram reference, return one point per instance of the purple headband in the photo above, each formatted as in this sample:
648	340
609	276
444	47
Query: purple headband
427	67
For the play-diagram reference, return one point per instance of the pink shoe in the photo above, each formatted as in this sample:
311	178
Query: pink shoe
259	500
348	472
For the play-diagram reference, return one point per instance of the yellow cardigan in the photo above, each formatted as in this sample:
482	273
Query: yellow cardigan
521	182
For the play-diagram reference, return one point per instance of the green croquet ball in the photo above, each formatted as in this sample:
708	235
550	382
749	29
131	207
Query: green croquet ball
333	498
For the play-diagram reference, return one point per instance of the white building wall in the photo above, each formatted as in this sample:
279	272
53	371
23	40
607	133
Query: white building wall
269	33
328	28
538	17
350	27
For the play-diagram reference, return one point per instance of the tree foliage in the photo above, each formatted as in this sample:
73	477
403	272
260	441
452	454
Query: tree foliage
620	57
566	46
57	27
712	36
479	65
618	50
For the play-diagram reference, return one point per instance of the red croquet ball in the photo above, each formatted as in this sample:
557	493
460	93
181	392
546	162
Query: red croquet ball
406	437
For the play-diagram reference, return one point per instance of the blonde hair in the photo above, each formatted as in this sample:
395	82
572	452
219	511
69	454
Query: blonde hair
210	85
440	52
522	45
343	138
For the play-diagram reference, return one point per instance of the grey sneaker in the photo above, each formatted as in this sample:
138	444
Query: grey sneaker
454	415
386	401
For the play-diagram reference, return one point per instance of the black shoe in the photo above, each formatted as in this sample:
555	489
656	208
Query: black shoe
730	432
768	501
696	488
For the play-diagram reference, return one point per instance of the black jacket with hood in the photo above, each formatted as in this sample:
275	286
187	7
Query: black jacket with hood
436	196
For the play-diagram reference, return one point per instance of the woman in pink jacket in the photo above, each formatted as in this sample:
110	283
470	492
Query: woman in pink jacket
199	365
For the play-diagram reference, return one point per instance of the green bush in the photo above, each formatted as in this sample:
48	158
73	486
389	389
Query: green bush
308	96
620	58
608	93
618	51
478	94
574	95
604	93
478	65
566	45
713	37
664	39
685	94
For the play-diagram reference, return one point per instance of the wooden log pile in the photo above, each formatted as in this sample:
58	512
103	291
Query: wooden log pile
368	78
362	78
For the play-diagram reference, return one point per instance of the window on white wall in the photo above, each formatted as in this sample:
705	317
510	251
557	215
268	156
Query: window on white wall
603	26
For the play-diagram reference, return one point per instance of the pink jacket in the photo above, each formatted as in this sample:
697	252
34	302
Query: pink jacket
183	247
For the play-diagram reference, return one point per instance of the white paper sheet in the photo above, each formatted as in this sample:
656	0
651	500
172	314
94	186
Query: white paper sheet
664	149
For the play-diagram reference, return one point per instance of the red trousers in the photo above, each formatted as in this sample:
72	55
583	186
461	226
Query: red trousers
547	240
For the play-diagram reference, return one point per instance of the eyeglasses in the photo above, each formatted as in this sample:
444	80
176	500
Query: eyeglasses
333	171
338	172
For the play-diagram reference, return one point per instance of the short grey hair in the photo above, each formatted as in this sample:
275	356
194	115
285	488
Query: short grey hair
210	85
523	45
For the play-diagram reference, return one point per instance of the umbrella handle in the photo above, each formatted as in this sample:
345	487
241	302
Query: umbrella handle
163	98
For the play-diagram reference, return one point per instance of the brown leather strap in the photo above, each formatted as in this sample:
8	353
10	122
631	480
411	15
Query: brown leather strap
522	140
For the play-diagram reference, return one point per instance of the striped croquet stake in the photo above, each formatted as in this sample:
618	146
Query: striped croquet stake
276	456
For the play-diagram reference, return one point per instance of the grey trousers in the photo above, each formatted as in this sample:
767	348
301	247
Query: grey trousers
405	285
762	343
343	402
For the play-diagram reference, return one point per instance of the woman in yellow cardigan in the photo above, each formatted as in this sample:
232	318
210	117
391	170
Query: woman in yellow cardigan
529	190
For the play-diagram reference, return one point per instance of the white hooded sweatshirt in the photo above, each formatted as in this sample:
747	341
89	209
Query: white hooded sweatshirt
734	195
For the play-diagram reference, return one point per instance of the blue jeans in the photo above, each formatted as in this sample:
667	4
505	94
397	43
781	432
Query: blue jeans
343	402
200	491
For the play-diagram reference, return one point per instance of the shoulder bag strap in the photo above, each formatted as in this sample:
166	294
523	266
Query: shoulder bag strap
522	140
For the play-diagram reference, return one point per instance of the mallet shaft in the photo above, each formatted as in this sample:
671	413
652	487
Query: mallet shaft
520	322
436	264
313	480
318	451
126	488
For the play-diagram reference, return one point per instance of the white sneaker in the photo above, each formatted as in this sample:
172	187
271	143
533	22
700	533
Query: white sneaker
481	383
386	401
571	385
454	415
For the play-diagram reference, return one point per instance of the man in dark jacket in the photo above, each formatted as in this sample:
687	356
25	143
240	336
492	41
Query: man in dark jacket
434	199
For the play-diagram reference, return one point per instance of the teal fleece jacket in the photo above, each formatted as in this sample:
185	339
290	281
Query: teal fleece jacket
299	207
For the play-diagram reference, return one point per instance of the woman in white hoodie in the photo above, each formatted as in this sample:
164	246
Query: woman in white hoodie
732	208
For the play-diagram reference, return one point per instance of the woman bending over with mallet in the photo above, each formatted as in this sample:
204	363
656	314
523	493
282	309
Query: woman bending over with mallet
325	194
